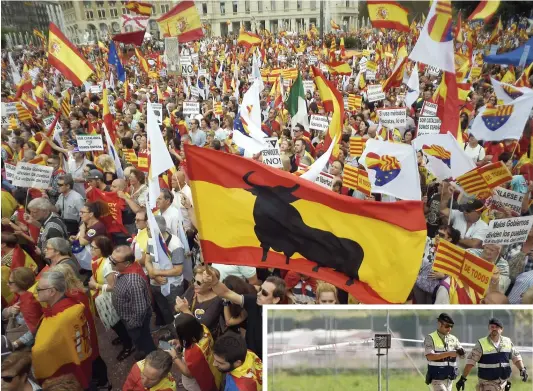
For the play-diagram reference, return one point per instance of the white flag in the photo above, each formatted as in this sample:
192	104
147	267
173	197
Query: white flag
111	151
508	93
392	169
413	87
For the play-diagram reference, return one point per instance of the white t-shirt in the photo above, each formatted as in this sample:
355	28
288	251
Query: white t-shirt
476	154
478	230
244	272
172	218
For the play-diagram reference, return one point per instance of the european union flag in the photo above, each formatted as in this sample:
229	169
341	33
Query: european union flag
114	60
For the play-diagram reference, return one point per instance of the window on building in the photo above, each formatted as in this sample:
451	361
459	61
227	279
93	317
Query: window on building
113	12
101	14
87	4
259	6
124	11
222	8
235	6
285	5
112	3
99	4
313	5
347	3
164	8
299	5
89	15
247	6
204	8
273	5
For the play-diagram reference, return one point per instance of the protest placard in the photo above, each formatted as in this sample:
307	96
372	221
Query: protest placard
58	129
272	155
111	103
428	125
509	231
172	53
202	72
375	93
312	60
369	75
429	109
191	108
507	199
474	73
90	142
433	70
371	66
325	180
158	111
319	122
32	175
9	108
163	73
392	118
194	58
309	85
96	89
10	171
187	68
67	83
195	92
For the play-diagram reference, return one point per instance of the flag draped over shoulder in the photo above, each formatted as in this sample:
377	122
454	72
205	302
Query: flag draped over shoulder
182	21
388	15
199	358
248	376
64	56
291	223
134	380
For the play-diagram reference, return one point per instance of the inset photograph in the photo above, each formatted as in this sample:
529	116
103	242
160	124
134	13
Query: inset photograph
409	349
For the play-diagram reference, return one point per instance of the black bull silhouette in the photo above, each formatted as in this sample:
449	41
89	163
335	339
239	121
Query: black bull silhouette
279	225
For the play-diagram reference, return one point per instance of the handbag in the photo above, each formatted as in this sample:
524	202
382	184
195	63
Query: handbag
14	331
107	313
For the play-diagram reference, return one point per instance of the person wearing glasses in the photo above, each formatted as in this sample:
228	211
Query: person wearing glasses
139	245
467	220
441	350
131	299
198	136
16	372
69	203
57	251
24	312
71	347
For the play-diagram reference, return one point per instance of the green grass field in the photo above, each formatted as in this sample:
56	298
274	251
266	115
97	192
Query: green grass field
365	382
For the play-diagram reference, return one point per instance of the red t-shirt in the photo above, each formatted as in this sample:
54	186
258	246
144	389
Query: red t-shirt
495	150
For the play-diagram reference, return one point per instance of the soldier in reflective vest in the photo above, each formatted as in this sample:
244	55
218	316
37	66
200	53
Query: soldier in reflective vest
492	355
442	350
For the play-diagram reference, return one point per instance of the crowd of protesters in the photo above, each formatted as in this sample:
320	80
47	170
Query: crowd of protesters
59	252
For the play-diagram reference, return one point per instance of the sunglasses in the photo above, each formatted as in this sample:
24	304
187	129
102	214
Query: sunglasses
264	293
199	283
8	379
42	289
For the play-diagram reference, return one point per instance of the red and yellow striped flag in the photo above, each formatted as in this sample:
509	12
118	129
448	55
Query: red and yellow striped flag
23	113
459	263
357	146
142	61
248	39
65	104
355	102
356	179
289	74
340	68
139	8
481	180
485	10
334	25
388	15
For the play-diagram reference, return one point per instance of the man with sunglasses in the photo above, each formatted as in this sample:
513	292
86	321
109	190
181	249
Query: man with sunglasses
492	355
441	350
467	220
69	204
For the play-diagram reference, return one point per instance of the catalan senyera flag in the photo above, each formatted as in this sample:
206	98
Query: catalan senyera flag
354	101
65	104
388	15
274	210
74	339
523	80
64	56
356	179
23	113
340	68
333	103
142	61
139	7
455	261
182	21
199	358
357	146
481	180
248	39
485	10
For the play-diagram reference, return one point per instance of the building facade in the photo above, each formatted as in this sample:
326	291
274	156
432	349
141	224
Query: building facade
89	21
19	18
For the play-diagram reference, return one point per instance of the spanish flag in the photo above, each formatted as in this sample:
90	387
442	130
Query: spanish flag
142	61
64	56
248	39
182	21
139	8
340	68
497	32
333	103
199	358
281	221
69	351
388	15
485	10
248	376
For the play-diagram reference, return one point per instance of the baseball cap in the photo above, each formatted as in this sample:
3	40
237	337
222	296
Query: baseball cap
444	317
95	174
497	322
472	205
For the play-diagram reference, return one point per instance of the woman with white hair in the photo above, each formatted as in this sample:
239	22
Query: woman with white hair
51	225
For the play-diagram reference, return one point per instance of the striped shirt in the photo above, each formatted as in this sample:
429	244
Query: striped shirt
131	299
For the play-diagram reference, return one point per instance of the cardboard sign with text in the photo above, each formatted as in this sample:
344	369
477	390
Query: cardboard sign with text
158	111
89	143
375	92
429	109
325	180
32	175
319	122
10	171
272	155
428	125
191	108
392	118
309	85
507	199
509	231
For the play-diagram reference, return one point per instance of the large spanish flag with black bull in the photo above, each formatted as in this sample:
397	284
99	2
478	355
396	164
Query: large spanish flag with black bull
255	215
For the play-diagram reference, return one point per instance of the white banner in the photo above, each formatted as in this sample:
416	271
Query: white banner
272	155
370	75
32	175
158	111
509	231
195	92
429	109
319	122
508	199
428	125
91	142
392	118
375	93
191	108
10	171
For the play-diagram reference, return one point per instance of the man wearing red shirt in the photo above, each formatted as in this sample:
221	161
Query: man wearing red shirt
493	150
271	125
